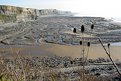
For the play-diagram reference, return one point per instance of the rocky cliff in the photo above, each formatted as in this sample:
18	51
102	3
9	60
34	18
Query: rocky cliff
12	13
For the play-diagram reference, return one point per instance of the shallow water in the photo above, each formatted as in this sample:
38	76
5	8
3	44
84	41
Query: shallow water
116	44
35	52
73	51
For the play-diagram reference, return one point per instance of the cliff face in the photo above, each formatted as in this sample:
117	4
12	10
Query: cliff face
54	12
12	13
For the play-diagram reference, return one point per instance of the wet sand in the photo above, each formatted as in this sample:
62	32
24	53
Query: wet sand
75	51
